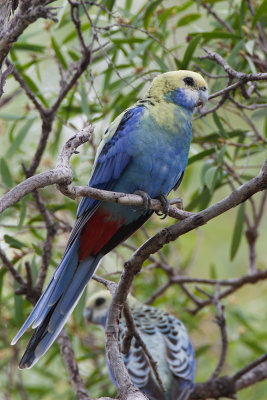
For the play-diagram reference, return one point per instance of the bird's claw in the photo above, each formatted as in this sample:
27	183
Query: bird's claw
146	199
165	206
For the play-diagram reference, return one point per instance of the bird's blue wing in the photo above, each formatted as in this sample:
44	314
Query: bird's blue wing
114	155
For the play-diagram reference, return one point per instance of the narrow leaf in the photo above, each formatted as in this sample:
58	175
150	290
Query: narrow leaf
5	173
149	11
210	178
219	125
190	51
79	308
36	48
13	242
15	145
238	230
18	306
85	105
215	35
58	53
260	11
200	155
32	85
22	212
188	19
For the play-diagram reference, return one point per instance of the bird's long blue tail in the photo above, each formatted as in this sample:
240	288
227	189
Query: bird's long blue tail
56	304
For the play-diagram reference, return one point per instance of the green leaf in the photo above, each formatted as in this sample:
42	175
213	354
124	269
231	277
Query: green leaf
3	271
221	154
149	11
128	4
110	4
200	199
37	249
14	147
13	242
215	35
5	173
85	105
34	88
238	230
161	63
188	19
213	272
253	345
210	178
22	212
241	318
36	48
58	53
79	308
202	349
139	50
74	56
219	125
55	143
265	127
18	306
73	34
200	155
232	59
260	11
11	117
250	46
190	51
183	7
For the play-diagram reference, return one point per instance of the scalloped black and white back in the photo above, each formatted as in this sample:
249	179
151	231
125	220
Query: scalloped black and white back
167	341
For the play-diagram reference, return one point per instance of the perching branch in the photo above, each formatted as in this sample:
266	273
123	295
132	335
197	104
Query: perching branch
228	386
62	175
171	233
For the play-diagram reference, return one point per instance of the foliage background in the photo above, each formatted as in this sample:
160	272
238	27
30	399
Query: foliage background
228	148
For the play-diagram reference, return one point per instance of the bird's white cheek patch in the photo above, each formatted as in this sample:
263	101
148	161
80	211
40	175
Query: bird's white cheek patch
192	96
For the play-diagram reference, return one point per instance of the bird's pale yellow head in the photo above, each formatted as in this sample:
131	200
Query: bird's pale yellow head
97	306
184	88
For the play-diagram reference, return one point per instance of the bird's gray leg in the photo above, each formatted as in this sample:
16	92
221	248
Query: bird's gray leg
146	199
165	206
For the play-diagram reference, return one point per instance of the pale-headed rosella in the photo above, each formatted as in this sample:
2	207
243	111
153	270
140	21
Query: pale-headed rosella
145	149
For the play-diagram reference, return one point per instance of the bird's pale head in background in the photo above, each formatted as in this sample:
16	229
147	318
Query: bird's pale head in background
185	88
97	306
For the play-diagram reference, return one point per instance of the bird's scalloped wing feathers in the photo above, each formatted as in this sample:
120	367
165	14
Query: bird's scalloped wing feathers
135	361
180	353
112	158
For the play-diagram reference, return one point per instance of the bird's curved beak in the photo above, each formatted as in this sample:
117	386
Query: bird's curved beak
203	96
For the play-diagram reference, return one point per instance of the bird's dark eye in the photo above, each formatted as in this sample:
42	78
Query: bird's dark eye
99	301
189	81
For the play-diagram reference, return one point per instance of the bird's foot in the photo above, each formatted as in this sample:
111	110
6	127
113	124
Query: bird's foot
146	199
165	206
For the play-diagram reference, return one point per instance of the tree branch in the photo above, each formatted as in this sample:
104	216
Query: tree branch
71	366
29	11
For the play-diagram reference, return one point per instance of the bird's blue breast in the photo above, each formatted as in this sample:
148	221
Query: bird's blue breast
158	156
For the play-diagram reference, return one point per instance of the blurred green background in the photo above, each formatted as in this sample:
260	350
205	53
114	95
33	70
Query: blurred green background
143	39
